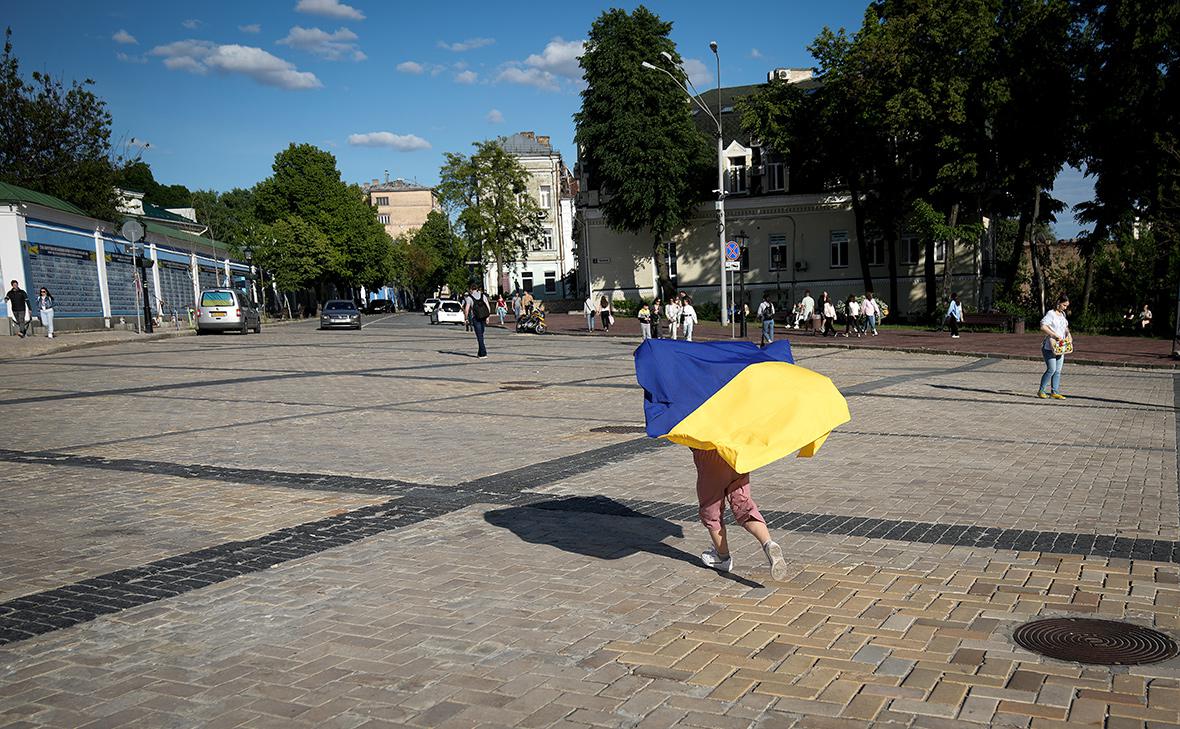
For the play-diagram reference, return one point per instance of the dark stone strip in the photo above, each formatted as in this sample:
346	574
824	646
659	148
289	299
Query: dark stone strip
867	387
1176	402
1010	441
557	469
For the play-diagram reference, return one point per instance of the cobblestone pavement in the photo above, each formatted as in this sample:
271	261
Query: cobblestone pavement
346	529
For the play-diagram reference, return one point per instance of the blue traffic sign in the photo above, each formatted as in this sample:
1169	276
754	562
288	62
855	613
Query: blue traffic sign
732	251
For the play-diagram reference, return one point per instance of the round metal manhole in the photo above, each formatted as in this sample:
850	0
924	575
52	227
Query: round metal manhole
1101	642
619	429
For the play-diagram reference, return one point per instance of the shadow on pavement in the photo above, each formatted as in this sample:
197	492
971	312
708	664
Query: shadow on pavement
598	527
1032	394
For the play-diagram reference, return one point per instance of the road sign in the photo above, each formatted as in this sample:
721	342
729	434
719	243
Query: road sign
733	265
732	251
132	230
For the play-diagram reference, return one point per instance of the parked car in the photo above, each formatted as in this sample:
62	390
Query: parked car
379	306
340	313
226	310
447	312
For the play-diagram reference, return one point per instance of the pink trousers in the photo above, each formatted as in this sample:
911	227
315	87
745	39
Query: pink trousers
717	481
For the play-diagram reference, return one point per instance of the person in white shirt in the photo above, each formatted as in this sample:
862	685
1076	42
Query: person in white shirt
688	316
672	313
589	310
808	306
872	312
851	314
1056	329
828	311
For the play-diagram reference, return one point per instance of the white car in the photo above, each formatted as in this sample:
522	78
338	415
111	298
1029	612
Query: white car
429	305
447	312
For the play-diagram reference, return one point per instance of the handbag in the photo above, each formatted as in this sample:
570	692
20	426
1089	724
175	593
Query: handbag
1062	346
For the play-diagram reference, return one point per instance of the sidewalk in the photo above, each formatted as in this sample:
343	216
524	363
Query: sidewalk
13	347
1100	350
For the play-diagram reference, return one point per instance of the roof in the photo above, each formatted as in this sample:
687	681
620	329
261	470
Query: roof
15	193
398	185
159	213
731	125
524	144
181	235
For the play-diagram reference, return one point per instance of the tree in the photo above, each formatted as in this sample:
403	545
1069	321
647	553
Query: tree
231	216
55	140
296	253
639	145
137	175
498	215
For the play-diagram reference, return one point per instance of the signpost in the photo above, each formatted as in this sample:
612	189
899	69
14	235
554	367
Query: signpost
133	231
732	263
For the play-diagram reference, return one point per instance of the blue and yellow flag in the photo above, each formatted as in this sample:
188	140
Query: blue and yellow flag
753	406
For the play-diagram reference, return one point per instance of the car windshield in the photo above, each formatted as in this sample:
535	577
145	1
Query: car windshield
339	306
217	298
451	306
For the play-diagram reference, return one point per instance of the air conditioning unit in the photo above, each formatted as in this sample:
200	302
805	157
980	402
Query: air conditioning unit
800	265
782	74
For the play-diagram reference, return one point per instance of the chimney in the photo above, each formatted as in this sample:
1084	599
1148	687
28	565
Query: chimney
386	177
543	140
528	135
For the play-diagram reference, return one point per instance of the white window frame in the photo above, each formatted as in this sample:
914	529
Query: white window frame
737	174
545	242
911	248
546	197
383	218
778	242
876	249
939	251
383	201
838	246
776	170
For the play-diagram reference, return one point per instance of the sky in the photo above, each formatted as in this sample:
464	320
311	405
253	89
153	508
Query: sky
208	92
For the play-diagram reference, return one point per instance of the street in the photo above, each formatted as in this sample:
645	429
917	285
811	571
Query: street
374	528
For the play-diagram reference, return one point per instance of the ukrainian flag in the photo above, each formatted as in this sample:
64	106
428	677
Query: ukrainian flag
753	406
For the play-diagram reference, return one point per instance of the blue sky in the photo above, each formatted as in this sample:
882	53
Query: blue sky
216	88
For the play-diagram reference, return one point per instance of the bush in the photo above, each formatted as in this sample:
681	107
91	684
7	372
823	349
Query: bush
1094	322
708	311
626	307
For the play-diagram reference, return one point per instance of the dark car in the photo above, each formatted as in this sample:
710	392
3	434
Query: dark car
340	313
379	306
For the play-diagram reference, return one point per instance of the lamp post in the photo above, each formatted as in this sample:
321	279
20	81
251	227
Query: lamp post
739	310
720	160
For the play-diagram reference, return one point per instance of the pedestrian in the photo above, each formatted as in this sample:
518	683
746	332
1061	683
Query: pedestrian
954	315
828	310
688	318
796	314
528	302
1145	320
606	315
644	317
871	311
590	310
808	309
672	312
45	308
516	306
717	481
19	301
1058	343
766	316
477	309
501	308
851	314
657	307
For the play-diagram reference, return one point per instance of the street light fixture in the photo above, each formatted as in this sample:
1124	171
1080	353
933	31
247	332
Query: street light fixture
716	118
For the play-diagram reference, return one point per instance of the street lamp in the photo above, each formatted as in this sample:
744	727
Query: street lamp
720	158
739	309
249	253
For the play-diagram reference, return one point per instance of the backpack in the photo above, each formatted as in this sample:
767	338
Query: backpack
767	312
479	308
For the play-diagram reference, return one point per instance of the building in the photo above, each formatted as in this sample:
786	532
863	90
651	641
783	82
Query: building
546	270
401	206
797	236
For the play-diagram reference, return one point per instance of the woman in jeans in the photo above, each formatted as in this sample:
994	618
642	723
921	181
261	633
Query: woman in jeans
45	306
1056	329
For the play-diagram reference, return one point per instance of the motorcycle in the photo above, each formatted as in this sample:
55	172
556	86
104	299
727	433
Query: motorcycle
532	322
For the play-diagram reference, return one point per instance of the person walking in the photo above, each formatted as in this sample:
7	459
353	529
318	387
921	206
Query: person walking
672	312
828	311
717	482
501	308
19	301
477	309
808	309
590	310
871	311
644	317
954	315
851	314
606	315
657	308
516	307
45	309
1058	343
688	317
766	316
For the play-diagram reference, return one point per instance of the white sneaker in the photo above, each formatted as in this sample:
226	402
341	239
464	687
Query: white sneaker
774	555
954	336
712	560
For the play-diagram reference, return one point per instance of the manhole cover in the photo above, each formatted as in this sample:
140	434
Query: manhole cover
1103	642
619	429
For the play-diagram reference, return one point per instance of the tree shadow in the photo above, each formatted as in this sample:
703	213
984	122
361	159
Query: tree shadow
596	526
1087	398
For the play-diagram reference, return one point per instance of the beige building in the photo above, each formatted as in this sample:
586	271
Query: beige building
401	206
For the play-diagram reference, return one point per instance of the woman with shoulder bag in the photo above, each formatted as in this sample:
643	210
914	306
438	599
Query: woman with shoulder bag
1058	343
45	307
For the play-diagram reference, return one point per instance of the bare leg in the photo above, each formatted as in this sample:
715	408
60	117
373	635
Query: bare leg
720	543
758	530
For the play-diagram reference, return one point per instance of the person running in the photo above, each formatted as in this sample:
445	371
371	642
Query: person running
871	311
19	301
717	482
477	309
1058	342
828	311
45	310
644	317
590	311
688	317
766	316
657	308
954	315
606	315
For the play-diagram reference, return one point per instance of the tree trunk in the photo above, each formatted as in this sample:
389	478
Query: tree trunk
499	273
892	240
1017	253
1038	274
948	263
931	280
862	245
663	275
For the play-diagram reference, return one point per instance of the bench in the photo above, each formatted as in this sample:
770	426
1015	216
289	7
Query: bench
1007	322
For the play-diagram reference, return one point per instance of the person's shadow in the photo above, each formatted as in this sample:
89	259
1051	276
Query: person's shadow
598	527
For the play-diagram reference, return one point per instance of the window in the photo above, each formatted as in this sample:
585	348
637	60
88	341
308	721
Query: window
550	282
671	255
545	243
217	298
911	249
778	253
839	240
546	197
526	281
382	201
876	251
776	177
939	251
383	218
737	174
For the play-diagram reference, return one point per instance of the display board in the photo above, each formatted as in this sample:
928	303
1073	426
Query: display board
176	287
70	274
121	285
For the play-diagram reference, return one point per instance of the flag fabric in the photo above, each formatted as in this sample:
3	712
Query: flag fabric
752	405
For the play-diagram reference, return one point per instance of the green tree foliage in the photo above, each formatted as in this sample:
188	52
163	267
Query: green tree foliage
55	139
490	189
137	175
230	215
639	145
424	261
297	254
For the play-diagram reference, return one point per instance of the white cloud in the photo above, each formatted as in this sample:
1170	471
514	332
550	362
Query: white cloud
697	71
331	8
467	45
196	56
495	117
192	23
410	67
755	53
529	77
560	57
126	58
332	46
251	28
466	77
122	36
400	142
